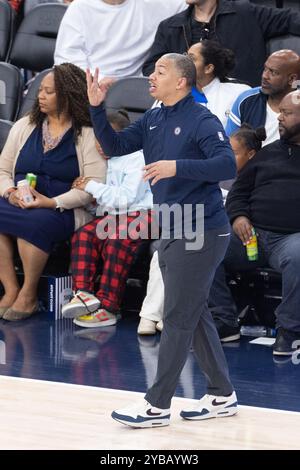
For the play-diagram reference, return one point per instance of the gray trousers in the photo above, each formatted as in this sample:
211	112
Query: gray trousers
187	276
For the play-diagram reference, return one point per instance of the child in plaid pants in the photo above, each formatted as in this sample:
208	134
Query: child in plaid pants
111	239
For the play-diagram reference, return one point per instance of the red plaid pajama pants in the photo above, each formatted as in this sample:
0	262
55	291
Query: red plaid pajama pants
116	252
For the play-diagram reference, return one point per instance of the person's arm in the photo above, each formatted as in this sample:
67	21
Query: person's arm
7	159
115	143
234	118
93	166
238	202
276	21
122	196
70	43
217	162
158	49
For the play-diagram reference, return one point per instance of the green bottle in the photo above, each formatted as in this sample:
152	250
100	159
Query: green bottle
31	178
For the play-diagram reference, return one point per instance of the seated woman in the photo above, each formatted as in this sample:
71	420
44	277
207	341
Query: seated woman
56	143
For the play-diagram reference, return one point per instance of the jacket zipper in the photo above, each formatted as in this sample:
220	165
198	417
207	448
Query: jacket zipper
185	38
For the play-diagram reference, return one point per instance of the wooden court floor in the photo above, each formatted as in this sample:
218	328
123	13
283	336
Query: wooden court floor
45	415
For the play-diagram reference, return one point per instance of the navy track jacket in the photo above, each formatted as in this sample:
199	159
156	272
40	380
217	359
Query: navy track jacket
188	133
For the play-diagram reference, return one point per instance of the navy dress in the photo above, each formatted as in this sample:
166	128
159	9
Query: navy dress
55	170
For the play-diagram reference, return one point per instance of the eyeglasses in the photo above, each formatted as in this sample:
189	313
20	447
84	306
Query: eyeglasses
204	34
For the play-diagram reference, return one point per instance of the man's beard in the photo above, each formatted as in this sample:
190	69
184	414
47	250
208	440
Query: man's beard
289	134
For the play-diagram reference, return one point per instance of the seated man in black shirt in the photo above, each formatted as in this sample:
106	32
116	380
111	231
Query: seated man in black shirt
266	197
244	27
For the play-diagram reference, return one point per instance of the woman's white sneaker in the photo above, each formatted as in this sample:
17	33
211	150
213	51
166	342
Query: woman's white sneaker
211	406
142	415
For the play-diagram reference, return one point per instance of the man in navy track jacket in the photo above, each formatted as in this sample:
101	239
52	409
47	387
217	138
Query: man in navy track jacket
186	154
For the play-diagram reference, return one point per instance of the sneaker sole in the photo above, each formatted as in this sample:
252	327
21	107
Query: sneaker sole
215	414
284	353
146	332
89	334
231	338
146	424
97	324
73	311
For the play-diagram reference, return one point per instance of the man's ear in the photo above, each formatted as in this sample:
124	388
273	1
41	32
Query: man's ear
209	69
181	83
293	80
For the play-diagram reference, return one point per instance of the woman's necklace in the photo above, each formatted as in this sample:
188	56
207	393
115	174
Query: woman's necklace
50	142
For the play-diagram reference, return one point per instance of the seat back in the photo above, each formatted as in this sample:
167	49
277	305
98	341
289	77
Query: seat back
34	44
11	89
284	42
5	127
295	4
132	94
267	3
6	29
30	4
31	94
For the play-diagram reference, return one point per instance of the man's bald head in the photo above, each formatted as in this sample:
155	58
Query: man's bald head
281	71
289	118
288	59
292	99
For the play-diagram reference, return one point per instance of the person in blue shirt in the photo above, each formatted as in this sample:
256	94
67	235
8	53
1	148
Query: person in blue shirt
260	106
186	154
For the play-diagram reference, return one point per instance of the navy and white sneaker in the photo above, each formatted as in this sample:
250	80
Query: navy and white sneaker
142	415
211	406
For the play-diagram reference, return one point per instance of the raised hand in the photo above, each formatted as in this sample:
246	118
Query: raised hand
97	90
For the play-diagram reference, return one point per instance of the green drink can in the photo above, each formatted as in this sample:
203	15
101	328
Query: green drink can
252	247
31	178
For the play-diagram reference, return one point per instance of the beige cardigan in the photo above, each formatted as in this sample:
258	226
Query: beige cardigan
89	161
